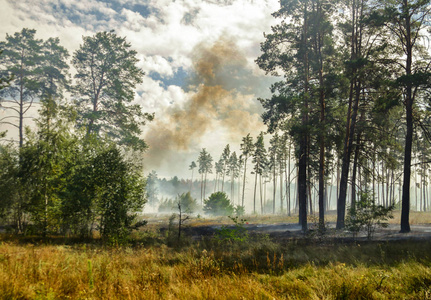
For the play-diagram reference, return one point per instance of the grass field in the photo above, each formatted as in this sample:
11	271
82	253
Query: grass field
213	268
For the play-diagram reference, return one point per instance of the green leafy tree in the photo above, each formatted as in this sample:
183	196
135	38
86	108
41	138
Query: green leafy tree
54	68
118	194
44	162
218	204
9	182
106	77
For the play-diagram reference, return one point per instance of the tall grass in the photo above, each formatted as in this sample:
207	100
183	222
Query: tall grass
214	269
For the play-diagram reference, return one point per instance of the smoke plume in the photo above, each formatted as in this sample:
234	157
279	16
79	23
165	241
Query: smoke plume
217	104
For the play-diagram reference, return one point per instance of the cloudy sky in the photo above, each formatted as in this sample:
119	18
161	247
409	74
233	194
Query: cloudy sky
198	55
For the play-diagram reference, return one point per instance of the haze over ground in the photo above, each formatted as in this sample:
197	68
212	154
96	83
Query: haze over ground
201	80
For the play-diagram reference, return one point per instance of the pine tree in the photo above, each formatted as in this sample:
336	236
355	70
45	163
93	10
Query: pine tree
247	148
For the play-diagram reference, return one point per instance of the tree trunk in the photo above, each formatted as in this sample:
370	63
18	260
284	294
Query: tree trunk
274	189
205	185
202	188
261	195
281	187
244	179
255	188
405	205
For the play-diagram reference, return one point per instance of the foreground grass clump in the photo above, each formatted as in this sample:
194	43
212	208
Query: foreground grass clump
214	269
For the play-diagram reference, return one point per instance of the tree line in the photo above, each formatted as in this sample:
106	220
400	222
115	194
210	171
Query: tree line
356	79
353	103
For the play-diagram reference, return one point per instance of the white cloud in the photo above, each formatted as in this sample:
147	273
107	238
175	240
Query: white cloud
165	39
157	64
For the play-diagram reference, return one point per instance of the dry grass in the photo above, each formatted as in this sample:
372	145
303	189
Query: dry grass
58	268
210	269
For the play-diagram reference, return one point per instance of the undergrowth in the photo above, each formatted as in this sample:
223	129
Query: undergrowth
215	268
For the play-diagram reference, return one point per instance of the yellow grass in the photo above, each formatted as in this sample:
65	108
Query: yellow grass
254	271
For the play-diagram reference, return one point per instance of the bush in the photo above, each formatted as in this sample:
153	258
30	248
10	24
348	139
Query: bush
239	210
218	204
366	215
238	233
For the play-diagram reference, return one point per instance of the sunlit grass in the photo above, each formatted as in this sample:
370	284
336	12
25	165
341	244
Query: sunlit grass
213	269
261	268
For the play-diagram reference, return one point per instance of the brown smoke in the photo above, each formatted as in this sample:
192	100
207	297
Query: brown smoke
215	103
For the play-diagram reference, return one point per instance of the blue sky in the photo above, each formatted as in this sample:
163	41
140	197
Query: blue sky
174	39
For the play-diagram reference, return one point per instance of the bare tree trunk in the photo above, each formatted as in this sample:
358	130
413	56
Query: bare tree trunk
205	184
274	189
281	188
244	179
260	189
254	198
202	188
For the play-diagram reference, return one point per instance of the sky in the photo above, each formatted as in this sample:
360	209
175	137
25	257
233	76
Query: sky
201	80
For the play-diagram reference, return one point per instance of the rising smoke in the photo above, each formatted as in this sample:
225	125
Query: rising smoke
219	103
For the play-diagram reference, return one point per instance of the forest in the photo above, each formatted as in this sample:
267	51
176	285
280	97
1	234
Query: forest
350	115
346	146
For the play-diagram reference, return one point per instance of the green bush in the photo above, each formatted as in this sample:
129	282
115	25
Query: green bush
239	210
218	204
238	233
366	215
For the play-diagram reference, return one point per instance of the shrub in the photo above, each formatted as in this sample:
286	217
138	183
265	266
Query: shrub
239	210
366	215
218	204
238	233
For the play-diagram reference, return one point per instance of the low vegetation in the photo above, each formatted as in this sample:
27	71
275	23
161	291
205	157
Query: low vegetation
229	265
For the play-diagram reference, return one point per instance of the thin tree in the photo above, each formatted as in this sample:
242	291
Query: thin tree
272	151
247	148
259	160
192	167
233	171
225	162
205	167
